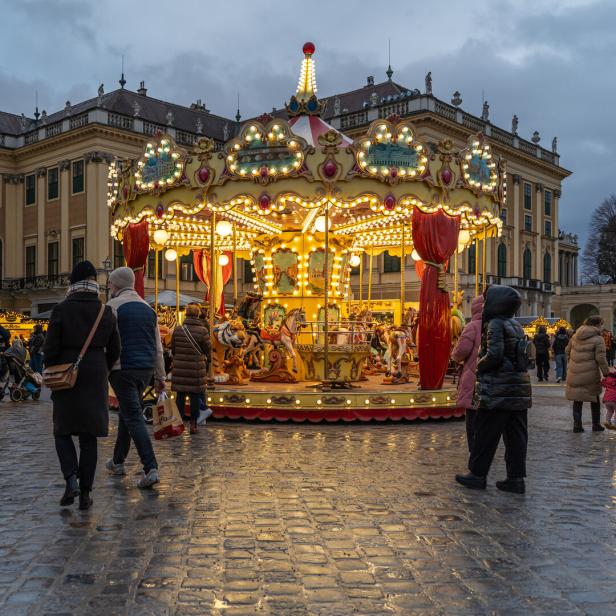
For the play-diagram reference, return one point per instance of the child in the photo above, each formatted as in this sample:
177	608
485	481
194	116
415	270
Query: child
609	399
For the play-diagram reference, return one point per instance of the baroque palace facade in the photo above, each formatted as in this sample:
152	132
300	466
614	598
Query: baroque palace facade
53	192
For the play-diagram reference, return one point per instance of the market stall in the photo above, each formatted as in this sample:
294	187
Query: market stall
305	205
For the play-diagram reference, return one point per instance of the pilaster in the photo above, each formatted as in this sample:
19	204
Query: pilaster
13	245
41	194
515	216
539	216
65	239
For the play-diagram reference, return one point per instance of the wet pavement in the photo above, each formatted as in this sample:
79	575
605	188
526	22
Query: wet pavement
309	519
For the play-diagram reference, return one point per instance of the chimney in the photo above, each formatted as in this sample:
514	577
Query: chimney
142	91
370	81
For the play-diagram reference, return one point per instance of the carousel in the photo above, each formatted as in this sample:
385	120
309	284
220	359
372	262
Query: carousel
305	205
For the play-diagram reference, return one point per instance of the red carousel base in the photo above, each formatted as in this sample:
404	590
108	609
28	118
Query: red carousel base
369	400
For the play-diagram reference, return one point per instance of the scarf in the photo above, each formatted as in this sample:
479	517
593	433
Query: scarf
83	286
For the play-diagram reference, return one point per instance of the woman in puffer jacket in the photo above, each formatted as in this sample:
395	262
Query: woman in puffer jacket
587	361
503	394
465	353
191	348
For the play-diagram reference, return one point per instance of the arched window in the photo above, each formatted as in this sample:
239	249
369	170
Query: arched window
502	260
527	266
547	267
471	258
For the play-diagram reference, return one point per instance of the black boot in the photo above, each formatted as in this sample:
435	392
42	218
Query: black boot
516	486
70	492
577	419
85	500
595	411
472	481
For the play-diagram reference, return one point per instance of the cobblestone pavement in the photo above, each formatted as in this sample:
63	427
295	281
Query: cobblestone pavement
294	519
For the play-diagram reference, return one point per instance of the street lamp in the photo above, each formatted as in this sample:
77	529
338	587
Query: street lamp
107	268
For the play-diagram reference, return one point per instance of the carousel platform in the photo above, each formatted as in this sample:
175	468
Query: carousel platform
300	402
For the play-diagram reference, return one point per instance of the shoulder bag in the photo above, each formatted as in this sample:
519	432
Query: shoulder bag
191	340
64	376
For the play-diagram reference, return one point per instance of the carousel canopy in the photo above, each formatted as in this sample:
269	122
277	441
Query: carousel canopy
169	298
277	177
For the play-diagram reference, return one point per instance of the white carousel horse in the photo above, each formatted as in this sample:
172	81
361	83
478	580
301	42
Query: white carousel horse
287	333
399	340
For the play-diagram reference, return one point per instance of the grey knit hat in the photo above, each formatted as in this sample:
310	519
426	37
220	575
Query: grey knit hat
122	278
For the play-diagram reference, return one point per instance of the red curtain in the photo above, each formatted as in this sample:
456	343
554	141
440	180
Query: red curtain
435	237
136	244
201	261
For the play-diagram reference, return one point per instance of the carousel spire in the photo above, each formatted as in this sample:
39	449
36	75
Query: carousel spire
304	101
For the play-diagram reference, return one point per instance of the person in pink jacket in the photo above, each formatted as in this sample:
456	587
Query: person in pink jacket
465	353
609	399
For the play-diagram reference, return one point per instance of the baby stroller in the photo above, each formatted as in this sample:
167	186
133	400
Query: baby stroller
20	380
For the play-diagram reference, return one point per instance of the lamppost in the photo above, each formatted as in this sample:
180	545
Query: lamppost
107	268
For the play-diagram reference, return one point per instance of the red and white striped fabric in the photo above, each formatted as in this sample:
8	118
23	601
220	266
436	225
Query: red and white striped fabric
310	127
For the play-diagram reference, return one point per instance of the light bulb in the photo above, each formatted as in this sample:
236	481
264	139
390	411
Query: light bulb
224	228
463	237
171	254
161	236
415	255
319	224
355	260
223	260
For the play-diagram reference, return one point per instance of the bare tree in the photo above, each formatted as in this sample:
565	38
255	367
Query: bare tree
599	261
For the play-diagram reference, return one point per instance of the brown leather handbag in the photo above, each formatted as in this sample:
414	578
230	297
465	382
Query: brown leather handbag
64	376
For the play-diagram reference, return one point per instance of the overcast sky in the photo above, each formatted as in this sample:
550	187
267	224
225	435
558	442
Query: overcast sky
552	62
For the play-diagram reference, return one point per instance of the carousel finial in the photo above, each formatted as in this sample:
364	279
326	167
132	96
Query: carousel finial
305	99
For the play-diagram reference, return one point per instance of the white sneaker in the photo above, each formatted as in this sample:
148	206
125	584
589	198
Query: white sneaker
149	479
203	416
115	469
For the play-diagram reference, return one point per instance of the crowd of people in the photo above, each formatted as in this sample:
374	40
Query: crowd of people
495	386
125	351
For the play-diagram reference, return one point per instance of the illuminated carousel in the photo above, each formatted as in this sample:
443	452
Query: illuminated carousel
304	204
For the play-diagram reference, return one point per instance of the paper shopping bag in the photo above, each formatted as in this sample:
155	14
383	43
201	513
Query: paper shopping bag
167	420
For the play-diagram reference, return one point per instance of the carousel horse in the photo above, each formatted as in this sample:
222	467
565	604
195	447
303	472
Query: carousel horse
286	335
400	342
248	311
228	335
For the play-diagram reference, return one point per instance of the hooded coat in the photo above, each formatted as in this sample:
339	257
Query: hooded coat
189	371
466	352
586	362
503	383
561	340
542	341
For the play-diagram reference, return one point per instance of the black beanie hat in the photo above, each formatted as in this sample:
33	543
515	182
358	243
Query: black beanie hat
82	271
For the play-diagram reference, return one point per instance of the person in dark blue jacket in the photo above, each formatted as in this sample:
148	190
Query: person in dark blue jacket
140	360
503	394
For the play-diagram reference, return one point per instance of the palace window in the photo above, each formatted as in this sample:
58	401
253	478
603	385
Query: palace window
78	176
30	262
152	264
30	189
527	265
548	228
77	250
502	260
390	263
52	184
187	268
118	254
528	222
472	250
248	273
53	250
528	196
547	202
547	267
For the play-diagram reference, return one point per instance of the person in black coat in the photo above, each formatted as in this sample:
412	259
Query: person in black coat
503	393
542	348
83	410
